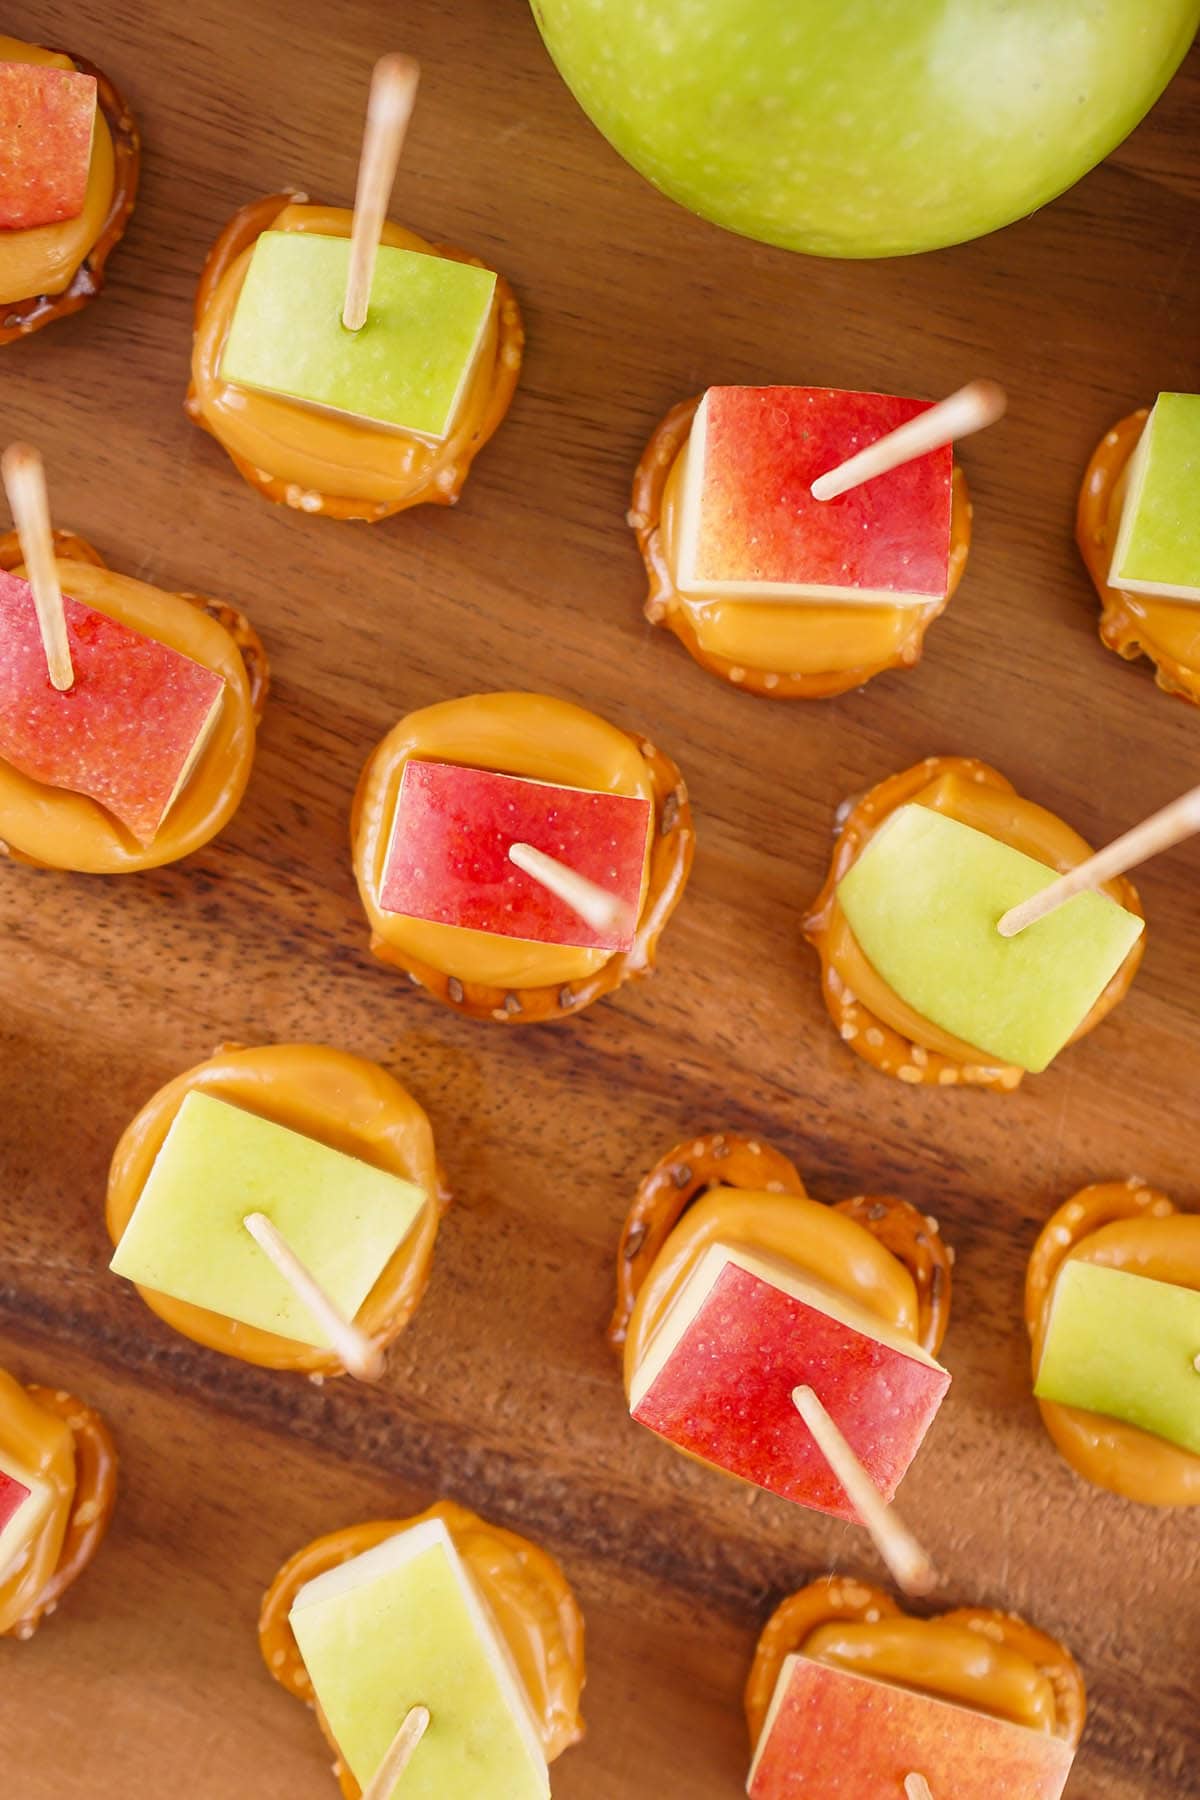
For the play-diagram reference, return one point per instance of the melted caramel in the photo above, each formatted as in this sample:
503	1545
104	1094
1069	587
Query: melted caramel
1120	1225
524	1589
991	1661
338	1100
1165	630
55	1436
870	1016
547	740
805	650
62	830
50	271
876	1250
318	461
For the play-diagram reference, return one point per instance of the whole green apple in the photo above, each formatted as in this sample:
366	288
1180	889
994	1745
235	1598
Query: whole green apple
865	127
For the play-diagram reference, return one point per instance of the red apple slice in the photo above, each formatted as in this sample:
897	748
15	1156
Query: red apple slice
130	729
448	860
751	528
13	1495
743	1332
832	1735
47	116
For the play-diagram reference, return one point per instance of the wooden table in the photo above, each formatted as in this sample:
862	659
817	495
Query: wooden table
503	1393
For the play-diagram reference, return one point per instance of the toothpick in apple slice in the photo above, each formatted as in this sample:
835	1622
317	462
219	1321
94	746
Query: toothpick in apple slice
1179	820
910	1566
389	109
403	1748
357	1354
969	409
25	484
599	909
917	1788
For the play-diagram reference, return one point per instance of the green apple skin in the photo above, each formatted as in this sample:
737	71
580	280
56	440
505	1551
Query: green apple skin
865	127
1125	1346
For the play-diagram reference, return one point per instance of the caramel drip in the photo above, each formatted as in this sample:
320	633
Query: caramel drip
877	1250
1030	1678
336	1099
482	974
112	191
1165	630
319	462
805	651
68	1445
871	1017
1119	1225
53	828
525	1591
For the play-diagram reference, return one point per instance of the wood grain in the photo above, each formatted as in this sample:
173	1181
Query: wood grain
503	1393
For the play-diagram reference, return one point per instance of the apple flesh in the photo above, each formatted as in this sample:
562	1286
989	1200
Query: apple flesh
25	1500
924	901
1158	543
865	127
403	1625
742	1333
343	1218
833	1735
1126	1346
448	860
47	117
751	529
128	732
408	367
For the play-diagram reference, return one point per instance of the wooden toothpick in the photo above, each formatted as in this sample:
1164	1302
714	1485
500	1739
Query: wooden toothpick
25	484
1179	820
909	1564
389	109
603	911
972	407
357	1354
403	1747
917	1788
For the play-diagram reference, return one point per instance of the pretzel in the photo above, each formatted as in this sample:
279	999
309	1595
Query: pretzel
672	849
1126	621
664	604
871	1037
1122	1221
441	469
838	1599
525	1574
19	318
91	1503
728	1159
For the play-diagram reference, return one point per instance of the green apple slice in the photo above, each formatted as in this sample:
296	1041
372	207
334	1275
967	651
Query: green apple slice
403	1625
1158	543
1126	1346
407	368
924	901
343	1218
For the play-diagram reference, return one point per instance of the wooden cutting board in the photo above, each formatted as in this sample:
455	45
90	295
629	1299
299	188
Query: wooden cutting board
503	1394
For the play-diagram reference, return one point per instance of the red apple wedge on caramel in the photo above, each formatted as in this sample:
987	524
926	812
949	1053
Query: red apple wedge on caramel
47	116
448	861
751	528
128	731
743	1333
834	1735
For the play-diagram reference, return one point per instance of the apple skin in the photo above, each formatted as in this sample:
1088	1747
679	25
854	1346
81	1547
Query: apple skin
841	1736
725	1394
865	127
